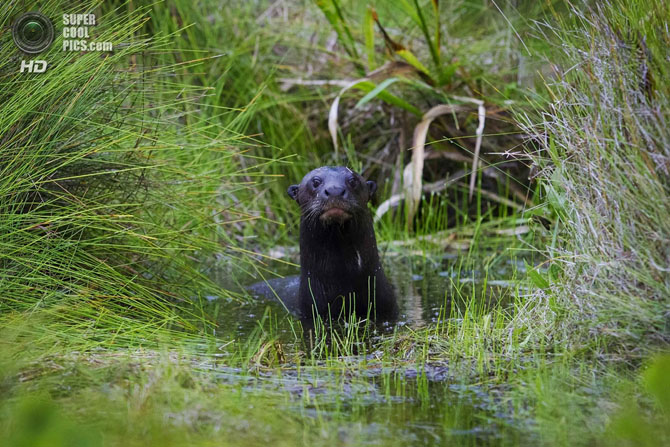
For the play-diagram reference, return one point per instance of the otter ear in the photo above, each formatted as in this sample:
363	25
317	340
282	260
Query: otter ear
293	192
372	187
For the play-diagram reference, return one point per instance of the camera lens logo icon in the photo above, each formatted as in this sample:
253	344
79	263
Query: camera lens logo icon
33	32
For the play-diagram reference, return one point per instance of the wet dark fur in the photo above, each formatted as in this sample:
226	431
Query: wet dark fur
340	269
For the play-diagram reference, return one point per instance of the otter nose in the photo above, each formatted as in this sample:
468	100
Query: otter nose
334	191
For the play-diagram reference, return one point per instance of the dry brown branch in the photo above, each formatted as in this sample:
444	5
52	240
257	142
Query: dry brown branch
413	172
481	114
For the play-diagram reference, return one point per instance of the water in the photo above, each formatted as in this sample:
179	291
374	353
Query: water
396	399
427	291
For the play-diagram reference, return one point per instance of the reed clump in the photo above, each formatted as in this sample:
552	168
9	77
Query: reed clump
604	165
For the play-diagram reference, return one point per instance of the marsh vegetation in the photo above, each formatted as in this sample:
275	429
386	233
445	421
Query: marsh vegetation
522	155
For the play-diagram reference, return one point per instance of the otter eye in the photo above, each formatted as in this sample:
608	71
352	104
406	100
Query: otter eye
316	181
353	182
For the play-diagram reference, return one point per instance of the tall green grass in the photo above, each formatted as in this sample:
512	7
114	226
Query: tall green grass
603	162
110	206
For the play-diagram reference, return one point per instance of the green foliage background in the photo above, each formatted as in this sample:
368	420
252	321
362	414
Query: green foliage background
130	178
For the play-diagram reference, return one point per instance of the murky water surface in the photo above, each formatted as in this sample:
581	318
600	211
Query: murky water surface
421	404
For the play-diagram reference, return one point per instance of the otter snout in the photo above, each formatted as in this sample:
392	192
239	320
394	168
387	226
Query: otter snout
336	207
335	191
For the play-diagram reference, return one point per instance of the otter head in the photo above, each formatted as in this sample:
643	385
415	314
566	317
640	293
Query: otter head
332	195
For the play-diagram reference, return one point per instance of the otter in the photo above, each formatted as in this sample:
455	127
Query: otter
340	270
